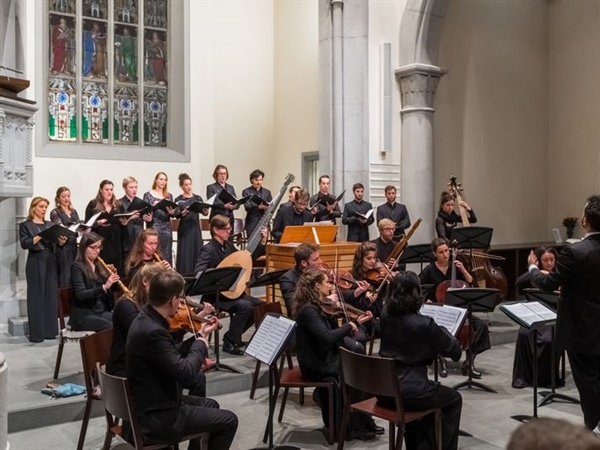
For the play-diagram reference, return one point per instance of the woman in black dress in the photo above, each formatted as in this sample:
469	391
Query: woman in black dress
523	363
40	272
317	340
93	303
161	220
145	250
447	218
189	236
65	214
401	327
107	225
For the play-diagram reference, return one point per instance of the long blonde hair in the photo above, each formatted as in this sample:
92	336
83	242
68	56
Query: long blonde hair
34	203
165	191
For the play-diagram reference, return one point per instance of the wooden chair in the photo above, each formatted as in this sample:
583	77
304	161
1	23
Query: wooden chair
378	376
292	378
238	233
119	407
259	314
95	348
65	297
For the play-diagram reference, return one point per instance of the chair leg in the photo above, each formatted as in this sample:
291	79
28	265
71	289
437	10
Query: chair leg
392	432
343	429
61	345
437	437
84	422
109	435
371	343
255	379
301	395
332	430
283	400
400	436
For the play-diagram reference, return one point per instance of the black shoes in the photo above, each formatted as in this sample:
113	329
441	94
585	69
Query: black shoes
232	349
362	435
374	428
465	370
443	370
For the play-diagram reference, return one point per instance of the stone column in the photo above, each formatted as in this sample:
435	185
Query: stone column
418	83
3	403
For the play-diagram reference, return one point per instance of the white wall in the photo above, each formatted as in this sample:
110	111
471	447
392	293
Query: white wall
574	157
491	120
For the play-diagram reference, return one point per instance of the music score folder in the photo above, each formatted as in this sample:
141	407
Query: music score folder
270	337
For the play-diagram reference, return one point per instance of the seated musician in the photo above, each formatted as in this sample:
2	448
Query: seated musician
447	218
385	243
439	271
522	375
318	337
306	257
240	309
92	283
144	250
401	327
157	368
297	214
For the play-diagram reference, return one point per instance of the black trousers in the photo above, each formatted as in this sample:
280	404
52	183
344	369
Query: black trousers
419	434
242	316
586	374
194	415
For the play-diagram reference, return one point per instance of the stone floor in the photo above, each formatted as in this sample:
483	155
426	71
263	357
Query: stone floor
35	421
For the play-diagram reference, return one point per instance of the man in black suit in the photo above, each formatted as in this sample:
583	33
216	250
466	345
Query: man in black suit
221	175
306	256
327	207
577	327
157	370
240	309
394	211
358	226
255	210
292	215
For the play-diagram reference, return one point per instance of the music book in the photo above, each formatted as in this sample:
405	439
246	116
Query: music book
125	214
449	317
312	205
91	222
530	315
164	204
365	216
54	232
330	199
268	340
226	197
139	205
198	207
109	217
258	200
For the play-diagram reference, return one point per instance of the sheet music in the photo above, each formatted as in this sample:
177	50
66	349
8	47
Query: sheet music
270	337
211	200
90	223
529	312
449	317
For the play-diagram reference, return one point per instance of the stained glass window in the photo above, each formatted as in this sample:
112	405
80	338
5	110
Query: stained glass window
108	72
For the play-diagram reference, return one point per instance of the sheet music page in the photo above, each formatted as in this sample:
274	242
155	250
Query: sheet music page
269	338
449	317
211	200
530	312
542	311
90	223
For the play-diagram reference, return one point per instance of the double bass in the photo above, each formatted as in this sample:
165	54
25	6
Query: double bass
478	261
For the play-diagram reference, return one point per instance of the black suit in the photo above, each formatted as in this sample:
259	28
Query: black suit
577	274
241	309
253	213
288	216
157	370
287	284
92	305
357	232
218	206
397	213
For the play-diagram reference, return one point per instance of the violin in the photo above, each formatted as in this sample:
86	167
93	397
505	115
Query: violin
335	309
188	321
345	280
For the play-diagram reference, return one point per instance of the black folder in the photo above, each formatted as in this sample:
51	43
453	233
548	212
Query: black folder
140	205
198	207
226	197
164	204
54	232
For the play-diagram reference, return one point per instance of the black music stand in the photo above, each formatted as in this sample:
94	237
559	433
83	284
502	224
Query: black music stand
269	278
472	237
213	282
475	300
550	299
419	253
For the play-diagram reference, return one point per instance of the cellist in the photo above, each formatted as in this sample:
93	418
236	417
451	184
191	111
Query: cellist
439	271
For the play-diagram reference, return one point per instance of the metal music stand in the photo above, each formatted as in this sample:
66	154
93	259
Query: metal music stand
269	278
550	299
213	282
472	237
475	300
419	253
428	292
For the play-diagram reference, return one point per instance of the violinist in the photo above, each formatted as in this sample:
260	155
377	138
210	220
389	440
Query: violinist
158	368
306	257
361	292
447	218
401	327
439	271
318	338
144	251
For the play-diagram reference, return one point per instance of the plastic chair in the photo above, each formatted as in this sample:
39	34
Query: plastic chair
119	406
65	297
95	348
378	376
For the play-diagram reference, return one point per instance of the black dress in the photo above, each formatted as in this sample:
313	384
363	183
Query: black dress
161	222
65	255
522	375
130	232
445	223
399	333
189	237
111	246
92	306
41	275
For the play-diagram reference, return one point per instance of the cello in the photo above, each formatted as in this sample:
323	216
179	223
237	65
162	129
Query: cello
478	262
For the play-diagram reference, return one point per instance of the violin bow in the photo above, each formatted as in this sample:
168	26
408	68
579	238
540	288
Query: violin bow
338	291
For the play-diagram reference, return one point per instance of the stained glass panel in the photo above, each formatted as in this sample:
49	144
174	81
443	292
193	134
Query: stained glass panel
94	50
155	13
62	123
126	106
156	57
126	54
126	11
94	120
95	8
62	45
63	6
155	117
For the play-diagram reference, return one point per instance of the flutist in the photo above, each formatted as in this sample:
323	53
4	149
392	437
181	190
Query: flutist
93	284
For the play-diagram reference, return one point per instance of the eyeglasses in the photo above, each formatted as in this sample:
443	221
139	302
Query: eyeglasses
227	229
96	247
388	229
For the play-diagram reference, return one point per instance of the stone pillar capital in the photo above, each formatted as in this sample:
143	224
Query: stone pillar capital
418	83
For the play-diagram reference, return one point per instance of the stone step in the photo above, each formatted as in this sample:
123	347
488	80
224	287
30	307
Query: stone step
18	326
